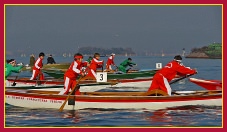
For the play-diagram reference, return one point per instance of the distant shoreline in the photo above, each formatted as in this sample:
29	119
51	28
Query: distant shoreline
201	55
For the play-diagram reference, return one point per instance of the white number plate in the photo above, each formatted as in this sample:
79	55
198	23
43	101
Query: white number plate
101	77
158	65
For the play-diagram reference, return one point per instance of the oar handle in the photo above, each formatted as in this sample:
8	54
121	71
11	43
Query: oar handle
181	78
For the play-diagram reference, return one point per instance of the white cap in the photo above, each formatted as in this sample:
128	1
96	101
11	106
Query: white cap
178	60
112	54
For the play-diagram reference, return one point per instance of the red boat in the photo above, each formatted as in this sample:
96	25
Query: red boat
29	98
208	84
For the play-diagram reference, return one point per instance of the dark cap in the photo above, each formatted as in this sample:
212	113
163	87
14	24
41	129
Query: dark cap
41	54
11	61
177	58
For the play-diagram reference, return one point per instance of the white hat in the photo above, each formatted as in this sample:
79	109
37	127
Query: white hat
112	54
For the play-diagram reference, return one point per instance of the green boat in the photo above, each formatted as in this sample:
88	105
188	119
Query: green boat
51	66
59	74
131	75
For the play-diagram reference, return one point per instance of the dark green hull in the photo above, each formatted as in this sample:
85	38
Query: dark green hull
131	75
52	66
60	74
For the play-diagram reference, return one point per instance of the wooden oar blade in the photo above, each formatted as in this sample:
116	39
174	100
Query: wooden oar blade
74	89
62	106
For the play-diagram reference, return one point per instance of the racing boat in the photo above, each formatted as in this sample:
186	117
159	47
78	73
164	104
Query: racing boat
208	84
59	73
155	99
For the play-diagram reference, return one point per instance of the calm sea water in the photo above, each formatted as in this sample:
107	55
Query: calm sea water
186	116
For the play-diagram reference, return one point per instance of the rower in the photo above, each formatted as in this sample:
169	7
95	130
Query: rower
162	77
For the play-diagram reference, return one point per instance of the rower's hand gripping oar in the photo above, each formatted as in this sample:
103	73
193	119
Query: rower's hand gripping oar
73	89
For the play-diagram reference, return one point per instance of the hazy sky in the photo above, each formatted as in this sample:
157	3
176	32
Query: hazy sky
143	28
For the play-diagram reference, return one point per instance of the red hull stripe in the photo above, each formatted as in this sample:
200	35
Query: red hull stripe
127	99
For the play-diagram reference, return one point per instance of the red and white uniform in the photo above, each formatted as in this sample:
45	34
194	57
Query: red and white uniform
162	78
93	67
70	77
110	62
36	69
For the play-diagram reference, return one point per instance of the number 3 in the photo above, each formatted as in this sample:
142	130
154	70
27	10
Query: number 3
101	75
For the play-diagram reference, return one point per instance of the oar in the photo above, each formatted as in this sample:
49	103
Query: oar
73	89
181	78
14	83
38	80
116	69
128	70
131	67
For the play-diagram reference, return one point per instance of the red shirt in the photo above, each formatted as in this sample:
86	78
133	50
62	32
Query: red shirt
38	64
95	64
75	69
173	68
110	60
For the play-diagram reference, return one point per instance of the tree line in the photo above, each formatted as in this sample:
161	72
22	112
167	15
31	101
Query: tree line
212	50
